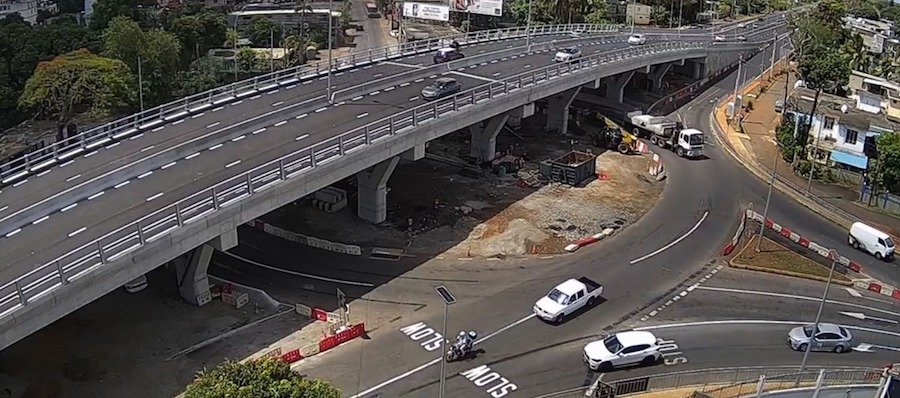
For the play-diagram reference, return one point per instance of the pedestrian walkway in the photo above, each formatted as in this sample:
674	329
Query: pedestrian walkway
756	142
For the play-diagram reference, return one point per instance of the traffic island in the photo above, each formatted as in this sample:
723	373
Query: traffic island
777	259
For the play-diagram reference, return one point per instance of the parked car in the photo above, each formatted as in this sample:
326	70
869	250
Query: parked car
577	33
447	54
742	38
567	54
719	38
868	239
829	337
622	349
566	298
779	106
441	88
637	39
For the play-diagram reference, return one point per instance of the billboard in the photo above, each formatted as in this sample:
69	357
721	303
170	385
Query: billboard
436	12
484	7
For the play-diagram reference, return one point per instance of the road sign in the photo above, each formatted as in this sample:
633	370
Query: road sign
861	316
833	255
445	294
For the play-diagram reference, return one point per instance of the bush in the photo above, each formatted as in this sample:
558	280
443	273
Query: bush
261	378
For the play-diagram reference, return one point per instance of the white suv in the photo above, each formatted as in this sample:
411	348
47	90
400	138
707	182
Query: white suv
567	54
622	349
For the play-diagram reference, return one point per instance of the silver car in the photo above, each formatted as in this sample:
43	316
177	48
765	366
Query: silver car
441	87
829	337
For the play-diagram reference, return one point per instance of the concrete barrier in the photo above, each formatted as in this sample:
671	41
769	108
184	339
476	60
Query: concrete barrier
353	250
589	240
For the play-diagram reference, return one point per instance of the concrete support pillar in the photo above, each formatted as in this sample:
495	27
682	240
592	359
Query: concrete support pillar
615	86
558	110
372	190
190	273
484	138
697	72
415	153
656	75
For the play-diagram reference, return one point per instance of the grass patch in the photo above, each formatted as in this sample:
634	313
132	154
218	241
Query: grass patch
776	258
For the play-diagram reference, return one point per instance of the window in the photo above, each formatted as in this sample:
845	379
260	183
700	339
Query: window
829	123
635	348
852	135
827	336
612	344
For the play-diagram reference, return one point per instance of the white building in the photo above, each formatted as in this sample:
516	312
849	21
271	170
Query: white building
875	34
27	9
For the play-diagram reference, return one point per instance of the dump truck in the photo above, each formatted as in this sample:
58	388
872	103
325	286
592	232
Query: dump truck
669	134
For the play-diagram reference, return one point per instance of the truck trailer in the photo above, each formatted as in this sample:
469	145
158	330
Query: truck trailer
669	134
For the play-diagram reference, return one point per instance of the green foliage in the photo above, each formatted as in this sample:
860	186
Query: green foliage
826	50
261	30
203	74
77	81
198	33
247	60
262	378
346	10
886	171
107	10
159	52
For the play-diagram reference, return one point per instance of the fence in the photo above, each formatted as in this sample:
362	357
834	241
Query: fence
725	383
886	201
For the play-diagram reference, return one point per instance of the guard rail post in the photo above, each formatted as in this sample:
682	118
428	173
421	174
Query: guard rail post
100	251
215	199
62	276
22	298
249	191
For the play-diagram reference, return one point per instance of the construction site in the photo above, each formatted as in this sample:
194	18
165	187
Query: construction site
543	191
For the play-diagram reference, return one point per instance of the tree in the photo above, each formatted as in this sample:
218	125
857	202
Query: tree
198	33
262	378
886	171
77	81
824	53
599	12
204	74
159	53
261	30
247	59
296	46
106	10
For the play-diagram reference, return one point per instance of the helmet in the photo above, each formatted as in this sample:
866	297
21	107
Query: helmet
473	335
462	334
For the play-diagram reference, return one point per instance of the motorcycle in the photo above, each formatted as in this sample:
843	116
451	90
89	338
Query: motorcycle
456	352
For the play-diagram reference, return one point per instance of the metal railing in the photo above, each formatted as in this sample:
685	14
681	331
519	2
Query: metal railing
17	293
728	382
86	141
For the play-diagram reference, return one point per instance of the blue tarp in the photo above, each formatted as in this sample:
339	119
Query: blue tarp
858	161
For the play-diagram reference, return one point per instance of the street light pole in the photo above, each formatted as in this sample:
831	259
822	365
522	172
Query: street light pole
448	300
812	338
330	37
235	49
633	7
140	84
528	29
737	84
680	11
762	225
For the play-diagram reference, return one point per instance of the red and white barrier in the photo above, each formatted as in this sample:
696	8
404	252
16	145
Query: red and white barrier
880	288
590	240
737	236
342	336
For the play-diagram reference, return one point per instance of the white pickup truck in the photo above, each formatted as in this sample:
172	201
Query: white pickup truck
566	298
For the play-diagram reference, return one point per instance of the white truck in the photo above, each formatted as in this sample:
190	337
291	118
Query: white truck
566	298
669	134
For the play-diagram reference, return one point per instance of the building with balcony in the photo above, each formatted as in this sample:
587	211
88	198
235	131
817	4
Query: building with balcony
878	36
27	9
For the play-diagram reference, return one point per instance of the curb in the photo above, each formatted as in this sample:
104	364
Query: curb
587	241
733	264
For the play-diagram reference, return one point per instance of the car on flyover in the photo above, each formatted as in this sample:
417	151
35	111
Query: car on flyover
446	55
829	337
622	349
637	39
719	38
441	88
567	54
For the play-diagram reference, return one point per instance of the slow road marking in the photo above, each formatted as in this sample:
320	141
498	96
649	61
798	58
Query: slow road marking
672	243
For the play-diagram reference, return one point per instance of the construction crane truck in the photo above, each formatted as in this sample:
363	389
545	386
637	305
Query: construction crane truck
669	134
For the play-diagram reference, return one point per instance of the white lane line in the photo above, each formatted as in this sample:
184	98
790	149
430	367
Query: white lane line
256	96
197	115
237	103
301	137
218	109
144	175
236	139
411	99
147	148
374	93
191	156
357	98
90	154
217	146
157	129
281	123
234	163
340	103
96	195
401	64
154	196
471	76
434	361
78	231
290	87
418	80
14	232
362	115
758	322
40	220
272	92
672	243
389	88
289	272
19	183
178	122
278	103
796	297
4	208
258	131
209	126
122	184
377	75
113	145
321	109
168	165
69	207
404	84
43	172
302	116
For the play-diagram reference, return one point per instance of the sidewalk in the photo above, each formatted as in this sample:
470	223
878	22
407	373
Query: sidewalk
757	143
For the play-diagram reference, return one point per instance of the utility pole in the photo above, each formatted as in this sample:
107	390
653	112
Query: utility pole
140	84
528	29
762	225
680	10
833	255
272	50
235	49
448	300
330	37
812	163
774	47
737	84
633	7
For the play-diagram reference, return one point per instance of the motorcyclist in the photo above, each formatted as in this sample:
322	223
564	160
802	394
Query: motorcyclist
454	44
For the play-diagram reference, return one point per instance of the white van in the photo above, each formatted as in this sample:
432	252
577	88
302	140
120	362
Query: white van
866	238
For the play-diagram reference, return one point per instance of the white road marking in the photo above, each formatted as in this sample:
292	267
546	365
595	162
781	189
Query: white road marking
272	92
301	137
19	183
757	322
278	103
154	196
157	129
290	87
218	109
209	126
236	139
234	163
432	77
14	232
357	98
471	76
178	122
321	109
122	184
404	84
78	231
167	165
43	172
281	123
389	88
217	146
191	156
411	99
258	131
672	243
147	148
302	116
362	115
144	175
400	64
374	93
96	195
113	145
434	361
69	207
136	136
793	296
90	154
200	114
237	103
419	80
256	96
377	75
4	208
40	220
855	293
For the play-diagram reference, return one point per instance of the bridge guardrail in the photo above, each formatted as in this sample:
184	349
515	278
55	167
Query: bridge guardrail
88	140
17	293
